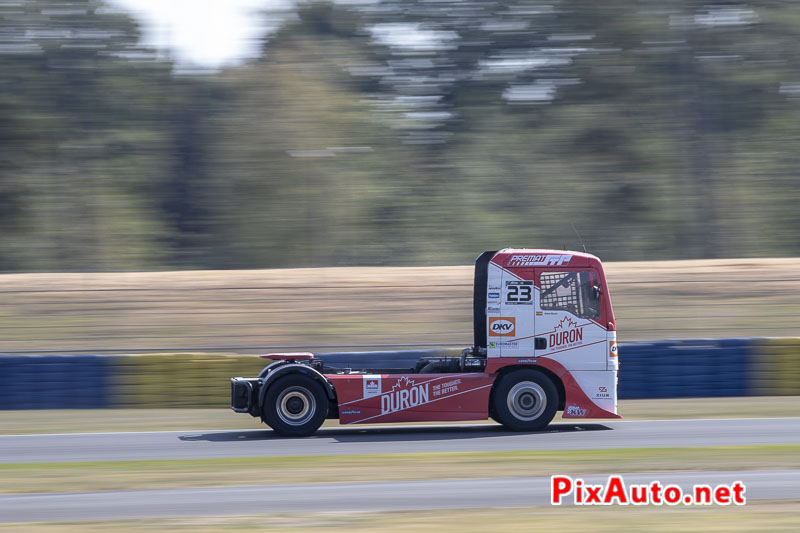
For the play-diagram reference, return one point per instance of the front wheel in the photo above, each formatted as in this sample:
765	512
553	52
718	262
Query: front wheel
295	406
525	400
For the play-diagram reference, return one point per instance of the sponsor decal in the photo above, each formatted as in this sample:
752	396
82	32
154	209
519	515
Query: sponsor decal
613	349
446	387
519	292
404	395
372	386
493	295
493	309
565	335
574	410
506	344
602	392
502	326
523	260
350	412
526	361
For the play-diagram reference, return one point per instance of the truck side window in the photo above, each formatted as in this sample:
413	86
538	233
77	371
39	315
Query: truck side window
575	292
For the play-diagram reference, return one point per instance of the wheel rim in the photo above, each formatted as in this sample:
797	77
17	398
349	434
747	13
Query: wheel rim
527	400
296	406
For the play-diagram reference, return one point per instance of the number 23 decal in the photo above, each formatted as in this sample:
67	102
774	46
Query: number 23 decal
518	293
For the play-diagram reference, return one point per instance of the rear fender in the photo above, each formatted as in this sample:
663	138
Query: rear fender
267	369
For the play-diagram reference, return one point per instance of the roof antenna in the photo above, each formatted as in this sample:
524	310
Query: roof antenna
579	238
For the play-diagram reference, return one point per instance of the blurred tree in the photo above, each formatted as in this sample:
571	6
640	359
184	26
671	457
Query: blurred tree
299	164
402	132
84	101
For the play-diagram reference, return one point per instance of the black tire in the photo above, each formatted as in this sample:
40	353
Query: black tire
295	405
525	400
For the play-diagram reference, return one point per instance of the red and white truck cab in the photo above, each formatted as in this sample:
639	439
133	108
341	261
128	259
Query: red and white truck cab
544	340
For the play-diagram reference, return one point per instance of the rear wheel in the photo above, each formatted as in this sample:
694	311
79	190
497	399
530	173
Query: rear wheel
295	406
525	400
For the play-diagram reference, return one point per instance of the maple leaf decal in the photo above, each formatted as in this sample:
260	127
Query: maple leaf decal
403	383
565	324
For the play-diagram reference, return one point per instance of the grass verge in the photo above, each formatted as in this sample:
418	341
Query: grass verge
128	475
757	516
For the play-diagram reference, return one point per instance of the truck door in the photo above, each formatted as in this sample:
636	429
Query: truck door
511	332
569	318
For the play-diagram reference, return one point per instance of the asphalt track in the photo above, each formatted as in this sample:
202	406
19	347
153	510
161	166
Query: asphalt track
374	496
349	497
396	439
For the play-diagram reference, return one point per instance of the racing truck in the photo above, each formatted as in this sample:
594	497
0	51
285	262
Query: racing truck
545	340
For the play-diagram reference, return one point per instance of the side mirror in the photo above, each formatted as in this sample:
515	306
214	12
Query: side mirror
596	292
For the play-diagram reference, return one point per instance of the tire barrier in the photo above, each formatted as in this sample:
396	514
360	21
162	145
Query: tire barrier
661	369
54	382
685	368
178	380
776	367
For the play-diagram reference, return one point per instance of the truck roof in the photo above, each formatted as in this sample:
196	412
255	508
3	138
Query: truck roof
530	257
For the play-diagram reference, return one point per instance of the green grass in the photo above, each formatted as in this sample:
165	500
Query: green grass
112	420
777	517
126	475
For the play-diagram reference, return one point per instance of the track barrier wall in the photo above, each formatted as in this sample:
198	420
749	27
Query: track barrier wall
660	369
